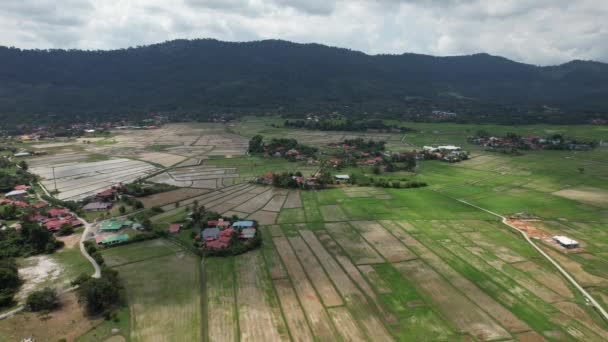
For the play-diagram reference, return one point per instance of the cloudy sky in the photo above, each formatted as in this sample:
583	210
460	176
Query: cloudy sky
533	31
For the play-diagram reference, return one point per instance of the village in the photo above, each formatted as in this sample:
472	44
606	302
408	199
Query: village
512	142
333	211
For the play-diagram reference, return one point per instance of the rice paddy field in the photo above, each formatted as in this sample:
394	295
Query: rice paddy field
359	263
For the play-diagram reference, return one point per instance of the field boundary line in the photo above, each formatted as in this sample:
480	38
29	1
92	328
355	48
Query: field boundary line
571	279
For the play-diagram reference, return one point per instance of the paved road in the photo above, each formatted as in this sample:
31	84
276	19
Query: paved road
589	298
83	238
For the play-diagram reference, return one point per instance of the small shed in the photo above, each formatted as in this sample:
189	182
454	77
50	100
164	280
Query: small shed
210	233
175	228
342	177
248	233
18	194
113	240
97	206
566	242
243	224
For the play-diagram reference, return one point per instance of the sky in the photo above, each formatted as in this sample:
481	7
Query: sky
542	32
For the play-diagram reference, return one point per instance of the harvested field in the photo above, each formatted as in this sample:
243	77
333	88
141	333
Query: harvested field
357	248
164	308
221	313
138	252
259	320
522	278
164	198
549	279
461	311
294	316
273	261
589	195
164	159
576	270
332	213
75	182
275	231
293	200
346	324
317	317
468	288
378	283
201	176
256	203
57	159
275	204
386	244
264	217
353	297
580	315
530	336
319	279
501	252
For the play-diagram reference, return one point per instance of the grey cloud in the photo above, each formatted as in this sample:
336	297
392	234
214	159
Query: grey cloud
538	32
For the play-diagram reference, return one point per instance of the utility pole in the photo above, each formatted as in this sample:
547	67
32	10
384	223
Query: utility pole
54	179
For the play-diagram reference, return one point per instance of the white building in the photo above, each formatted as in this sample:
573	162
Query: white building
342	177
19	194
565	241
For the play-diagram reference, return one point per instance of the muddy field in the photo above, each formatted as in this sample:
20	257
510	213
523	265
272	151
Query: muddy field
78	181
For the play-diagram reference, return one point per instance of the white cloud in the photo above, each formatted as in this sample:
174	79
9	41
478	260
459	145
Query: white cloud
533	31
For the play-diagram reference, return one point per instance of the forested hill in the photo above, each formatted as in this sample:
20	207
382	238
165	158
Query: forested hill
204	76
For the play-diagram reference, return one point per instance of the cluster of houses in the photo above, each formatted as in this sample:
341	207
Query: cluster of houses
300	181
351	155
449	153
52	219
219	234
102	201
293	153
530	143
56	218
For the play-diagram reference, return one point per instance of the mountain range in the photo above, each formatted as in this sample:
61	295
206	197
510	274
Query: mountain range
208	76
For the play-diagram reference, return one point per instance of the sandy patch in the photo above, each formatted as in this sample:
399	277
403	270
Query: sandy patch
69	322
70	241
39	270
584	194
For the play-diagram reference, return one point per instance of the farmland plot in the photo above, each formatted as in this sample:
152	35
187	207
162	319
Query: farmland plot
202	176
357	248
259	316
163	308
78	181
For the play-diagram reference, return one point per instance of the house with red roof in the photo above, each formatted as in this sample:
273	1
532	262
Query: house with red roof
40	205
106	195
175	228
58	212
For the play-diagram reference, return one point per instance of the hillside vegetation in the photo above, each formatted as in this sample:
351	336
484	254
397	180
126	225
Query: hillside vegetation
203	76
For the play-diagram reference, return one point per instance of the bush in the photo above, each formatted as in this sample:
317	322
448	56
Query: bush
66	229
101	294
81	279
43	300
